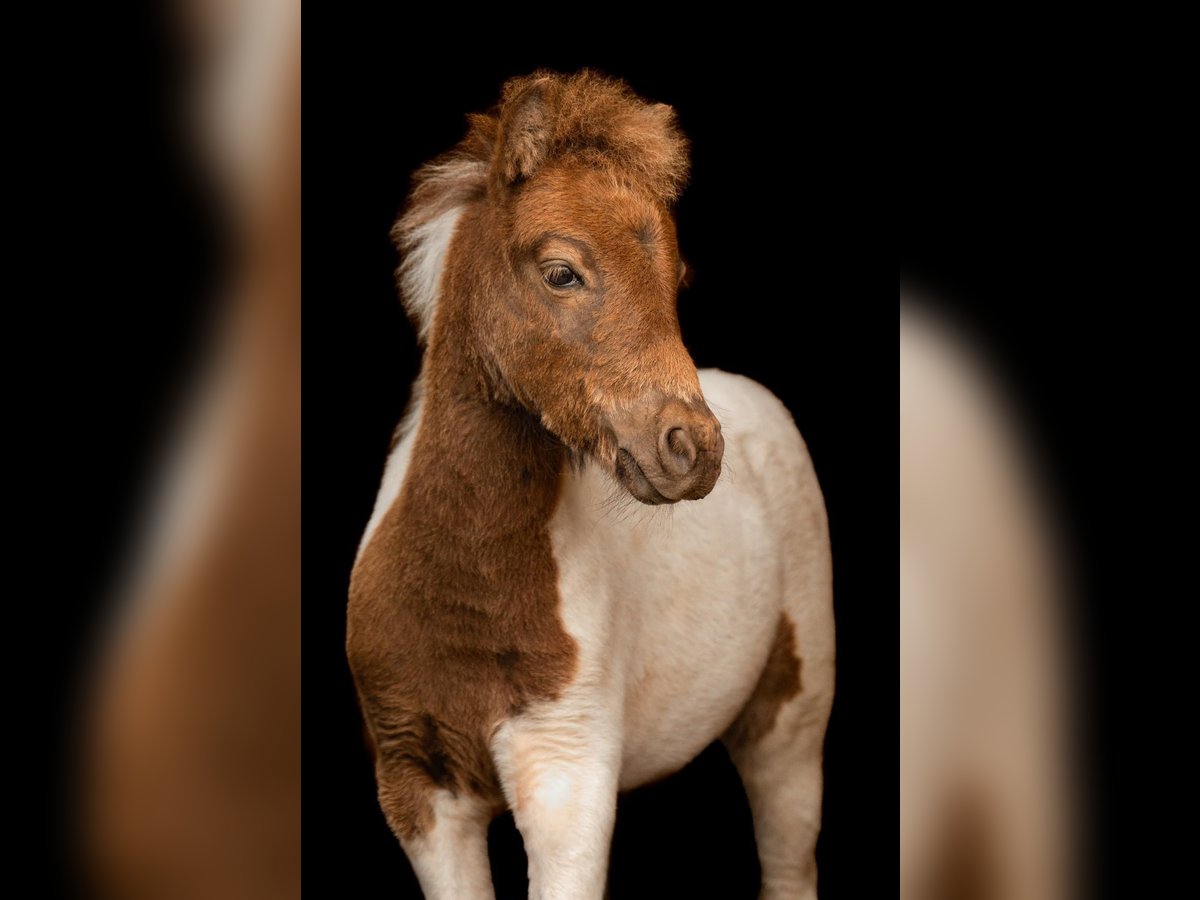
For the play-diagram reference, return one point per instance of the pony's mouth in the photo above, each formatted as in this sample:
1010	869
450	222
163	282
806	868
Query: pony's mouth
634	480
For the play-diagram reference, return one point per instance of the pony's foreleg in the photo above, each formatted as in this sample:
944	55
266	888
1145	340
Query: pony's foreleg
449	853
782	774
560	778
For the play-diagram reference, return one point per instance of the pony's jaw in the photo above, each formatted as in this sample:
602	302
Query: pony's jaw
631	477
657	489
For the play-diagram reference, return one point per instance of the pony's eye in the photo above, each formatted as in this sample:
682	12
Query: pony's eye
560	276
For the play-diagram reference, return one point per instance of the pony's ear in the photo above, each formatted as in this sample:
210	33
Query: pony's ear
525	131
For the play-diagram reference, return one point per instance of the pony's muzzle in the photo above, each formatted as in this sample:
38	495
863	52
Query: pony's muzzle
690	447
674	456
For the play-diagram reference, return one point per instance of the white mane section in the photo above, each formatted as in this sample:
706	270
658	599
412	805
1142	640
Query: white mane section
441	191
397	463
424	233
421	271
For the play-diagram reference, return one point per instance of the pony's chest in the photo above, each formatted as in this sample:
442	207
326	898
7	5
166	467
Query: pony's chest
673	617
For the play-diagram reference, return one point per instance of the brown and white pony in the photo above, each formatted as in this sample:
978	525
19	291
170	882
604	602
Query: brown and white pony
514	643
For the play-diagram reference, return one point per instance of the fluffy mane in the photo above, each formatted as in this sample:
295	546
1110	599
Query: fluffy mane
542	117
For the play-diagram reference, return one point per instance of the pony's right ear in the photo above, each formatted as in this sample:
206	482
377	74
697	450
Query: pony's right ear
525	131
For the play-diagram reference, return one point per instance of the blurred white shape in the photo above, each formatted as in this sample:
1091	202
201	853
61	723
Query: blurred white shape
984	774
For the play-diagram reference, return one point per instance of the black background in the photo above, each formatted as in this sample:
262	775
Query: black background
774	233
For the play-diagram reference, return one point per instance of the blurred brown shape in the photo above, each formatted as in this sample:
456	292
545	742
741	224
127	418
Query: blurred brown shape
192	787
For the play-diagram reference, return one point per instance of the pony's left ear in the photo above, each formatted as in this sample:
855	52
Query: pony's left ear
525	126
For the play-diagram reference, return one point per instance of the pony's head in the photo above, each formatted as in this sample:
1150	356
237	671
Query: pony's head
543	250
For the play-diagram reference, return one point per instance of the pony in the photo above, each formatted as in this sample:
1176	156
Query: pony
519	637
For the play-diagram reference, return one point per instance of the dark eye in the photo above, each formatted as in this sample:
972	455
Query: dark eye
560	276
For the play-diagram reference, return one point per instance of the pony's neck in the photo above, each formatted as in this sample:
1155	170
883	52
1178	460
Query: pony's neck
480	469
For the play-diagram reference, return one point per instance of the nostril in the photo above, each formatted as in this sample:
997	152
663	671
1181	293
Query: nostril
678	441
678	451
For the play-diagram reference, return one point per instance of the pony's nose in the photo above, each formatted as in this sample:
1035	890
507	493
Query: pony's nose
690	447
677	451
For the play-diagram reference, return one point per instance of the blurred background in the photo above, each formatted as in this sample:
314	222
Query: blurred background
990	786
1041	386
155	186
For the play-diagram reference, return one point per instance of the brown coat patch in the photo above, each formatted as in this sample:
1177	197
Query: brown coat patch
453	620
779	683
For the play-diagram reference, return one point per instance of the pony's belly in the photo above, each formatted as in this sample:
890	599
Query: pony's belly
701	616
676	710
